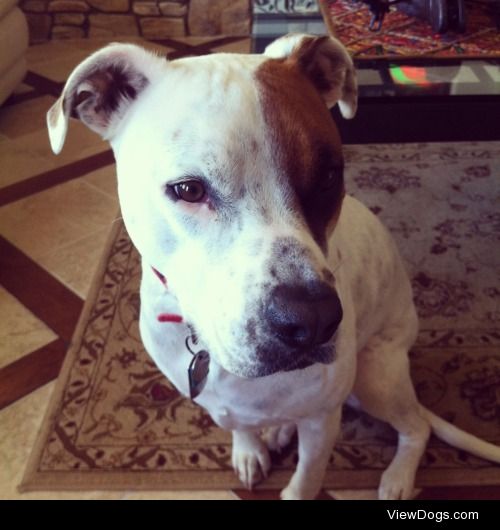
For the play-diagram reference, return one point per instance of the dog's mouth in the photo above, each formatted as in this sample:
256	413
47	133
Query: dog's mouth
270	365
321	354
269	357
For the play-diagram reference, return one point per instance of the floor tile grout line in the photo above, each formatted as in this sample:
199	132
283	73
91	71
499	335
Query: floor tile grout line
18	99
32	371
105	228
41	293
100	190
205	48
53	177
43	84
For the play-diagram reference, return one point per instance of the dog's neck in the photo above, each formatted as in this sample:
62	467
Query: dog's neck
199	366
166	317
160	276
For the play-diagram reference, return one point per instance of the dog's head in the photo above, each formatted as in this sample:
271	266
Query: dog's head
230	179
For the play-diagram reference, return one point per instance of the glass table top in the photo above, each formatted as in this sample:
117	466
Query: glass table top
428	77
402	77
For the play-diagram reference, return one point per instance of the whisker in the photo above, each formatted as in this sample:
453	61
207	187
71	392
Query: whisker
337	267
117	219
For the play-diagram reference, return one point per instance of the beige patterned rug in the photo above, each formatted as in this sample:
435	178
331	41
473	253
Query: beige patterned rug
116	423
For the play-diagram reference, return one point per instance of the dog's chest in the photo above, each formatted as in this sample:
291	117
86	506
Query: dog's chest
233	402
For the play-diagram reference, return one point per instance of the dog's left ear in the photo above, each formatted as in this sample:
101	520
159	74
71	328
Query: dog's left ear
102	89
326	63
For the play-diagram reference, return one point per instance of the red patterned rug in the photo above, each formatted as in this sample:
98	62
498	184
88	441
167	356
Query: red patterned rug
402	35
115	422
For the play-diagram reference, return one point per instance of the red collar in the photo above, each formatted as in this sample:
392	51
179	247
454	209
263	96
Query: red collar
162	278
199	366
166	317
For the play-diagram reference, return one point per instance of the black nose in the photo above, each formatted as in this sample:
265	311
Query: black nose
303	315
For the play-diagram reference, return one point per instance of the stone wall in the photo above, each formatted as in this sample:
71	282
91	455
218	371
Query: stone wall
152	19
271	7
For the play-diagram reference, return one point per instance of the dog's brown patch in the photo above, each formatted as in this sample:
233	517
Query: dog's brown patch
304	139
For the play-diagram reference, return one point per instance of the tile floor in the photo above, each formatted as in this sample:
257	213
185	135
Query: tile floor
53	230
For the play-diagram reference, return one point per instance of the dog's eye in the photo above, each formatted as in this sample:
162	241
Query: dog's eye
189	191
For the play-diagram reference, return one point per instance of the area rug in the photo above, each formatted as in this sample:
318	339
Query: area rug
115	422
403	35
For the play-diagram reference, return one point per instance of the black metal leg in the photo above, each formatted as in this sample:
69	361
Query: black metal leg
438	14
456	15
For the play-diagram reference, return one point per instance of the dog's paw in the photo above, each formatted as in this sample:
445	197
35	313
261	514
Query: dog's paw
396	484
250	459
290	494
297	492
276	438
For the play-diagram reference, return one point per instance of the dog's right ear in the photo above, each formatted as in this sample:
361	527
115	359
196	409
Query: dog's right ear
101	89
327	65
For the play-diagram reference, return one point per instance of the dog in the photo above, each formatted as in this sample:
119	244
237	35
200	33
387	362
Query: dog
268	295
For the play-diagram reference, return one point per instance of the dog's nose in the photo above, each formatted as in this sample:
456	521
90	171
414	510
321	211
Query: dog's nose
303	315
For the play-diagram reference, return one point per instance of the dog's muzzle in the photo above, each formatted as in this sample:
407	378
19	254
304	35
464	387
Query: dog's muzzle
302	318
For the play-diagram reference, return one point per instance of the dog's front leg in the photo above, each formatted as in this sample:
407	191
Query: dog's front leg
251	460
316	438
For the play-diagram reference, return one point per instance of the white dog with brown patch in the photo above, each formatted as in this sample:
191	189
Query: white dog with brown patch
230	178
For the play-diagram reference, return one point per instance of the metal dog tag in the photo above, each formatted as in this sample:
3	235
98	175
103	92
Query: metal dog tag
198	372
